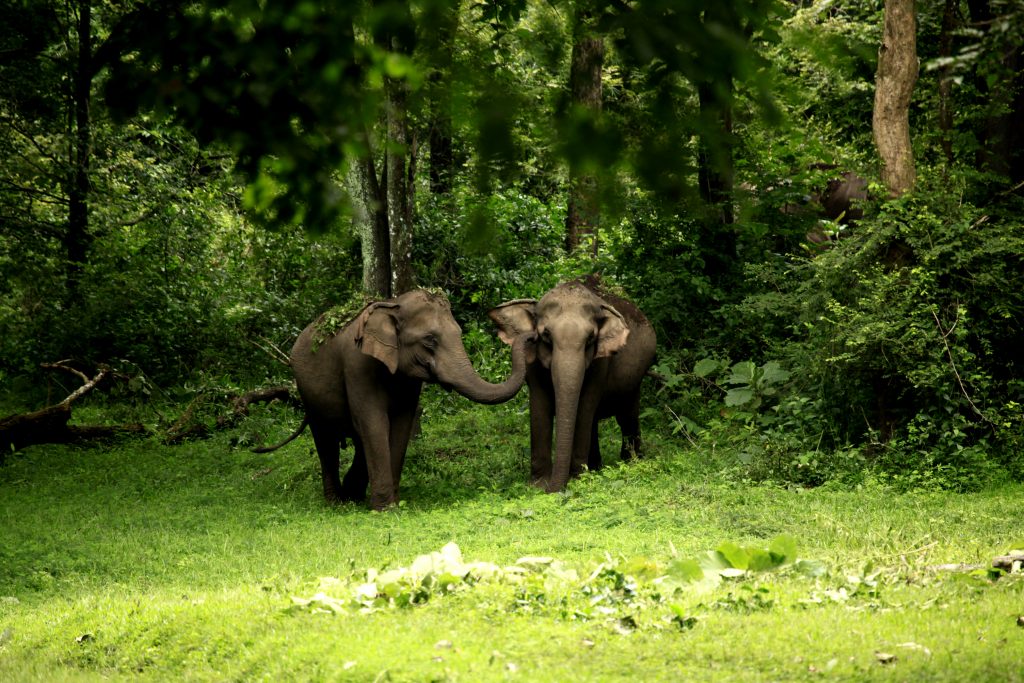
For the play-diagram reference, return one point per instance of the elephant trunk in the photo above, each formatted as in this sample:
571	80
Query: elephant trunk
465	380
567	376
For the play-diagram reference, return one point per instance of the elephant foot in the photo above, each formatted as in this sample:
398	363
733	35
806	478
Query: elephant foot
383	502
539	483
552	488
333	493
631	448
349	495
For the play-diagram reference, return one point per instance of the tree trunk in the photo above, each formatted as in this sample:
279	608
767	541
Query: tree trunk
441	45
894	85
946	81
714	160
1001	135
77	239
715	170
583	213
399	201
442	160
377	234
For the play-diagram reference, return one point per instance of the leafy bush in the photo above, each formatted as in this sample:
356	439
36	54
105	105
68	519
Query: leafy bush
904	340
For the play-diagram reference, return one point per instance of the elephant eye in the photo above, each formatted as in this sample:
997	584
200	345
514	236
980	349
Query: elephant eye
430	342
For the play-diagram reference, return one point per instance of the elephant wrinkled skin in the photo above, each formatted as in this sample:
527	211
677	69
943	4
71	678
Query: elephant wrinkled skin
364	382
592	353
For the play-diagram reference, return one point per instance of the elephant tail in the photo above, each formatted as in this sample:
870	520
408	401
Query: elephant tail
295	435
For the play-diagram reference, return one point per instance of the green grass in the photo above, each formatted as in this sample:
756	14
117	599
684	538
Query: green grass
138	560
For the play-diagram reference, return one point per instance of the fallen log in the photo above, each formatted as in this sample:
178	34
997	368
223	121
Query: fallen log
50	424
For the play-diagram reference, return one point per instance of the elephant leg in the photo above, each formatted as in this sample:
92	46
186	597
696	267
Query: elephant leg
378	465
328	449
353	486
585	448
541	416
403	421
629	425
594	458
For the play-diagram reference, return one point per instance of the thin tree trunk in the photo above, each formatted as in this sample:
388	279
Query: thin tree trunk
397	186
583	215
1002	134
442	160
715	171
715	163
372	215
946	81
894	85
77	238
442	45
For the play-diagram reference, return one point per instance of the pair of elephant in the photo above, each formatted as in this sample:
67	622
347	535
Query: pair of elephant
583	353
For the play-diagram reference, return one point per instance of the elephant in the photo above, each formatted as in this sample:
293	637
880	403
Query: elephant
364	382
592	352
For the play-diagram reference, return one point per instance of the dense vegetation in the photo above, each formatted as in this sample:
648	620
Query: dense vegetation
175	200
185	185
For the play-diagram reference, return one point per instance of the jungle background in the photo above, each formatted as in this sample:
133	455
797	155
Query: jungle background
186	185
816	203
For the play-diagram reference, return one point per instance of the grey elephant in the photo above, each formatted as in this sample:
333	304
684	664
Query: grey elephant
364	382
592	352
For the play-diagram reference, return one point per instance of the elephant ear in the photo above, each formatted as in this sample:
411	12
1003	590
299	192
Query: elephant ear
513	318
377	333
612	334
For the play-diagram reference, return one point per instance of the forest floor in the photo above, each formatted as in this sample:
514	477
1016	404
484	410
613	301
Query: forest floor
206	562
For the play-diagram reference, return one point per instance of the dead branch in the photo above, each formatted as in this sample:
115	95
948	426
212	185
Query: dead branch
191	426
272	350
50	424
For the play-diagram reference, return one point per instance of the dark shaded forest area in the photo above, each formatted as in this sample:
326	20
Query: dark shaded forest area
816	204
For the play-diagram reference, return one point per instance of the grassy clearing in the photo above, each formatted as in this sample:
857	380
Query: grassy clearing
152	562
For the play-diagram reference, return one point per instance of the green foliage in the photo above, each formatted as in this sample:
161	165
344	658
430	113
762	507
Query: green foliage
612	585
521	258
890	354
900	331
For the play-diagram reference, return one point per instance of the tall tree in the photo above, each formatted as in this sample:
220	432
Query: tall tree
894	85
583	215
949	25
438	44
715	95
394	31
77	239
999	75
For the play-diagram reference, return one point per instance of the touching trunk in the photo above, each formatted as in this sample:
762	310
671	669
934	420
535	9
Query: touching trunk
467	382
567	375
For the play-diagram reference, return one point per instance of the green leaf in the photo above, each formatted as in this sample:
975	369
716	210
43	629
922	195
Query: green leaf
784	546
761	560
738	397
734	555
772	373
743	372
685	570
705	367
812	569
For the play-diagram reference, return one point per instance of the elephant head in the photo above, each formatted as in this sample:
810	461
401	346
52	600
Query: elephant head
415	334
578	332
